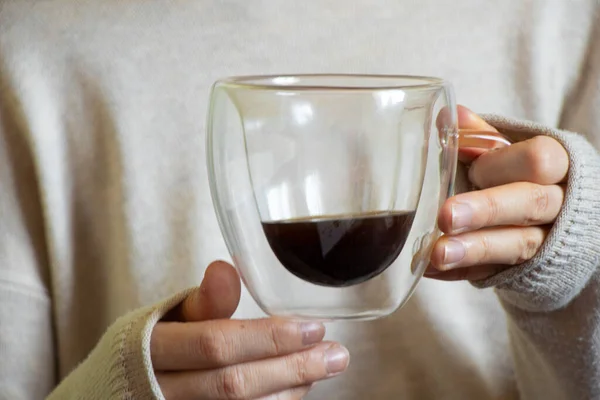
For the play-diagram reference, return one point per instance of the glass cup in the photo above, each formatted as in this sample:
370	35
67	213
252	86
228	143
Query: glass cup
327	187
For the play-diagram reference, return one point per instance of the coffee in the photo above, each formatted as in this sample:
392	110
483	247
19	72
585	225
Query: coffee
339	251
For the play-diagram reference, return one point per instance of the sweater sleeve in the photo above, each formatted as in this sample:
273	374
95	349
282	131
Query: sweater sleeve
569	258
120	366
552	301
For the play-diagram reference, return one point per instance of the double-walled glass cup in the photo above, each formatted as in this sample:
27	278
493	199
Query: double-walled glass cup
327	187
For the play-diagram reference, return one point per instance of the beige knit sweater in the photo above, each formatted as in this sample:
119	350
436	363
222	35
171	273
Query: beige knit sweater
105	210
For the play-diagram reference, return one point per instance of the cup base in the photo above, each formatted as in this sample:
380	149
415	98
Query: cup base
330	315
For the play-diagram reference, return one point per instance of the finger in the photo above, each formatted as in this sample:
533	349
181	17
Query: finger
476	136
259	378
218	343
521	204
465	274
217	297
540	160
503	245
293	394
467	119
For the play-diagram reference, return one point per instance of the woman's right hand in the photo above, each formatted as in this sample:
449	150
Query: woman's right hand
198	352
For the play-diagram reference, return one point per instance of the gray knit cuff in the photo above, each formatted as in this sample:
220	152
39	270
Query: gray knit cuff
571	253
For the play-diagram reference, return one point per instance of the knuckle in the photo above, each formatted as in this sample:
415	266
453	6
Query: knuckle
528	247
278	336
231	384
299	367
486	249
493	209
538	205
538	159
213	346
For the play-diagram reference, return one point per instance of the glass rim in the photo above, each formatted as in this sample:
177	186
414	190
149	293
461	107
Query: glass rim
292	82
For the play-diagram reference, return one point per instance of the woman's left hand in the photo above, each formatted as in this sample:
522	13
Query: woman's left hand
506	221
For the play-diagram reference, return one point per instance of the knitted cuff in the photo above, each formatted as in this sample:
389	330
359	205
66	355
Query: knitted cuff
120	366
571	252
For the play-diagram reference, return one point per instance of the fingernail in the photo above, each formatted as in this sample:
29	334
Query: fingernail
462	214
312	332
454	251
336	358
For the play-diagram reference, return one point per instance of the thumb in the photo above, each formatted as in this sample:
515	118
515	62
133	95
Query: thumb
217	297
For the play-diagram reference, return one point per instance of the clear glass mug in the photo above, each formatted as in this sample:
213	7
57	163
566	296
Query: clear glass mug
327	187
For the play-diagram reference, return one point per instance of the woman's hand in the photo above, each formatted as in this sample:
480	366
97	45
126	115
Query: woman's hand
505	222
199	353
